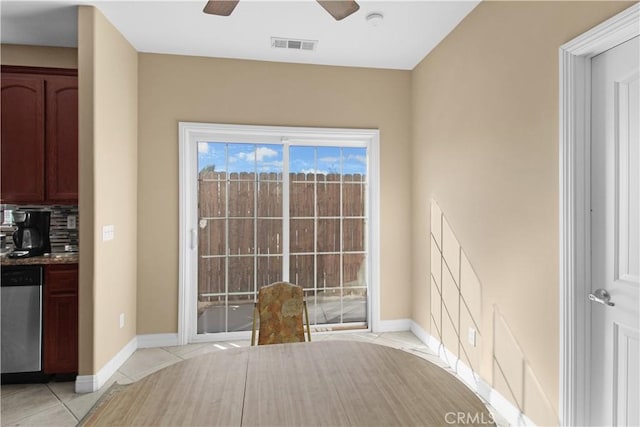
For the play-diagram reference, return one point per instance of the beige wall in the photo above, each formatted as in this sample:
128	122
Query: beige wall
476	121
108	79
485	148
39	56
178	88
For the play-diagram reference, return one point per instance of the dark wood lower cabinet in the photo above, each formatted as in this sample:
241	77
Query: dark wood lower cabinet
61	319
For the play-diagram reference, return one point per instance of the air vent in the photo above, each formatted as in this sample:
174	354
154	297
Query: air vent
295	44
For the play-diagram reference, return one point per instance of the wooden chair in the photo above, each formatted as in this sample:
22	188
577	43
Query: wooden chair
280	307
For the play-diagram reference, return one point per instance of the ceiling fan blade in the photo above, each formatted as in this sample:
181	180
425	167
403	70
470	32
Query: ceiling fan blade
339	9
220	7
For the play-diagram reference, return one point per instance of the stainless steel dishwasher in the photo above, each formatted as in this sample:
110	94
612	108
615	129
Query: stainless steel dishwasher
21	318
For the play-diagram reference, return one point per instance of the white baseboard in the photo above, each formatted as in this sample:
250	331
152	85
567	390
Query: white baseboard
91	383
502	405
420	333
157	340
396	325
86	383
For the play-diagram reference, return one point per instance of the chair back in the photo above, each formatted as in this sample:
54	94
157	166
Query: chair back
280	309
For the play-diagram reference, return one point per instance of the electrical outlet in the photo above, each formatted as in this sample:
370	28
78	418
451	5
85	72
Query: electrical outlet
108	232
472	337
122	320
71	222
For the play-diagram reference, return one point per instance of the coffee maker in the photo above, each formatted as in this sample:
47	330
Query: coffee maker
32	236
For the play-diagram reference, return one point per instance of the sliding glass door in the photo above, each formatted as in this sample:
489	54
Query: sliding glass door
273	209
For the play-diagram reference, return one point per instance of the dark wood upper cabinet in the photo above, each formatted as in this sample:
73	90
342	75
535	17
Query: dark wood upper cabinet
22	138
62	138
39	136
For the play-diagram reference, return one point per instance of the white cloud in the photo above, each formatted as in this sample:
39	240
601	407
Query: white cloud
357	158
259	154
274	166
329	159
203	147
316	171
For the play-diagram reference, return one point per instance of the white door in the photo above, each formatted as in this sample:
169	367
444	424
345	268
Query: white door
615	237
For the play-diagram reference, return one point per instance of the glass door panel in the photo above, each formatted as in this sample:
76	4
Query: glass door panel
242	226
327	231
240	231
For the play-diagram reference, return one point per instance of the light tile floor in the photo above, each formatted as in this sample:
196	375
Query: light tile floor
57	404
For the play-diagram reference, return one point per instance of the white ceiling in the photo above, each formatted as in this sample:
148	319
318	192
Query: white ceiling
409	31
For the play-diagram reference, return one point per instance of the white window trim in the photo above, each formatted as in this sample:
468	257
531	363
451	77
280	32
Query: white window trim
189	134
575	190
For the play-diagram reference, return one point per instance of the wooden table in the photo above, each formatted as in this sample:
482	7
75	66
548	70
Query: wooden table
325	383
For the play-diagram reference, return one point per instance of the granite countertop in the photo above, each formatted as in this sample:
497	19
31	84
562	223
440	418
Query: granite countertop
55	258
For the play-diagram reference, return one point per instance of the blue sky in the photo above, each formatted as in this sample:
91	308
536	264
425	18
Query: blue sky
268	158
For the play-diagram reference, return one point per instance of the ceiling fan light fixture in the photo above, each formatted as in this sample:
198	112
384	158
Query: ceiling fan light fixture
375	18
220	7
339	9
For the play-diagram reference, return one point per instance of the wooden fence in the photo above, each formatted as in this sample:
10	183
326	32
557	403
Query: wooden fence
251	213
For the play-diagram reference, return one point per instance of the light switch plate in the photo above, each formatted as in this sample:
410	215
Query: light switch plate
108	232
122	320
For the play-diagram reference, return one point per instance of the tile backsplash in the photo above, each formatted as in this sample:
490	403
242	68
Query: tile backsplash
62	238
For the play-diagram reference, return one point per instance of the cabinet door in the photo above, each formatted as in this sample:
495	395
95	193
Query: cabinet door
22	138
61	319
62	139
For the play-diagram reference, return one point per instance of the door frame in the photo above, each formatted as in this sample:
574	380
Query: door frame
188	135
574	203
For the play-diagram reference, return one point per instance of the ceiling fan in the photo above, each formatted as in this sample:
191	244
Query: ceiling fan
339	9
